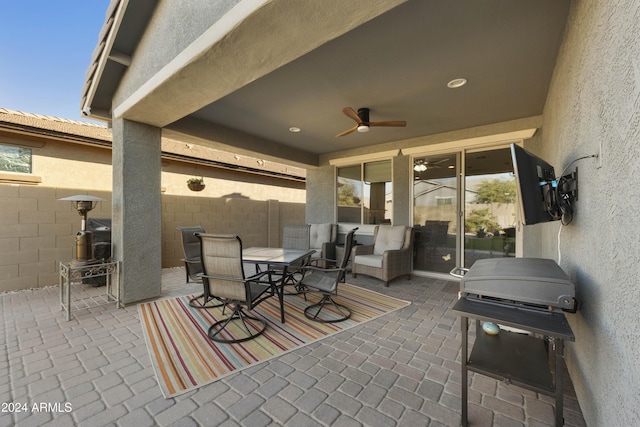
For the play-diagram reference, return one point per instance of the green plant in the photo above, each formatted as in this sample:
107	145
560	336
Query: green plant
195	180
480	221
347	195
496	191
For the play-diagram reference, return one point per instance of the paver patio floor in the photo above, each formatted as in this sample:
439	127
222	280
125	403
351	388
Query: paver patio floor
402	369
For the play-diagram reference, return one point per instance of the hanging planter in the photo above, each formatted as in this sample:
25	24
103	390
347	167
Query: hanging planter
196	184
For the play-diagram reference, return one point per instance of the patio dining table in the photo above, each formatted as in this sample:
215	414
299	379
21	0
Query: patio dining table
276	257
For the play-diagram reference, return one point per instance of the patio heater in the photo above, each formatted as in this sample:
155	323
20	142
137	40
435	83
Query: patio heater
83	204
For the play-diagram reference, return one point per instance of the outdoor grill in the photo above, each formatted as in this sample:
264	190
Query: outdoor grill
521	282
521	302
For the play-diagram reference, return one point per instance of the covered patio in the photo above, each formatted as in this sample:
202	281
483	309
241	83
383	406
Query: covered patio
402	369
272	78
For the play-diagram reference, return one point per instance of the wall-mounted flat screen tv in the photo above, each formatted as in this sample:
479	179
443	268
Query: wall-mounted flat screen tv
536	186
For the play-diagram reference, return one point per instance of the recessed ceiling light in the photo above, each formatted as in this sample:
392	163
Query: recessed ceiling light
455	83
294	129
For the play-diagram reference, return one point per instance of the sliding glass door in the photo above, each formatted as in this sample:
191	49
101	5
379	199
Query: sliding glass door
463	208
490	210
435	212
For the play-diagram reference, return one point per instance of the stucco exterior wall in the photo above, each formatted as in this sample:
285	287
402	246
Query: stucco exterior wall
402	194
61	164
169	33
64	165
594	101
321	199
229	183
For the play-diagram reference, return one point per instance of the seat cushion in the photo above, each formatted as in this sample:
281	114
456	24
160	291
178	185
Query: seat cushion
369	260
389	238
319	234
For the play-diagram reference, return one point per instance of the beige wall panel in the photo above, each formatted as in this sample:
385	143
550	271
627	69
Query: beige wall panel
9	244
18	230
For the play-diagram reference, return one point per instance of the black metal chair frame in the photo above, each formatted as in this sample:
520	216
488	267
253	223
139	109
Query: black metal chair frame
257	290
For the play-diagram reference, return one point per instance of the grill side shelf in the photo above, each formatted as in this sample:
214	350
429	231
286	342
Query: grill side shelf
513	358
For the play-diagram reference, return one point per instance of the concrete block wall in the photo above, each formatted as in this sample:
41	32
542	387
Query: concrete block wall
37	230
257	222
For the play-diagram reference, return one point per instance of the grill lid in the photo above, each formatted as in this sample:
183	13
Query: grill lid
529	280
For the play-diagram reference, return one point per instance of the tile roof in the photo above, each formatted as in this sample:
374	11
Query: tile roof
85	132
55	124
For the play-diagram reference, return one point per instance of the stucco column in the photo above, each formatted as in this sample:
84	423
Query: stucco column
402	191
137	206
321	198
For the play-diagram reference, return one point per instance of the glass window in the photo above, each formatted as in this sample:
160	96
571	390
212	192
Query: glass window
349	194
364	193
15	159
442	201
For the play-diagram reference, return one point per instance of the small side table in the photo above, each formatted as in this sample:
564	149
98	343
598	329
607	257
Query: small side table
71	276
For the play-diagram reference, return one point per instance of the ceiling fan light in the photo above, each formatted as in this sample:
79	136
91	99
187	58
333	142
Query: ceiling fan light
420	167
363	128
456	83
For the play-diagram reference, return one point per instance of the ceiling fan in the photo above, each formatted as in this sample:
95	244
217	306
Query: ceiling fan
362	121
422	165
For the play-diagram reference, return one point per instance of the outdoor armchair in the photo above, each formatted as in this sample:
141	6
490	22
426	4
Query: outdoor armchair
389	256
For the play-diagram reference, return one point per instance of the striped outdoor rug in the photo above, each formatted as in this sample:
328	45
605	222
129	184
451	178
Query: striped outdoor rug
184	358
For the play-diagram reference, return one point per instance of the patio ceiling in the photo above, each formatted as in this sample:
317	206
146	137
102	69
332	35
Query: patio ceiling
398	64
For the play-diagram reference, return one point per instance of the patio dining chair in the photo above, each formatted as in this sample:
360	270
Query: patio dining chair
326	281
322	239
294	236
191	250
193	267
224	271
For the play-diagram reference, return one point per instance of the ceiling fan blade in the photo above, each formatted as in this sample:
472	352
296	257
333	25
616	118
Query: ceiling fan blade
350	112
388	123
346	132
440	161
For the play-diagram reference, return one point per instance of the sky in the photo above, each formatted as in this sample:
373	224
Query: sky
45	50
